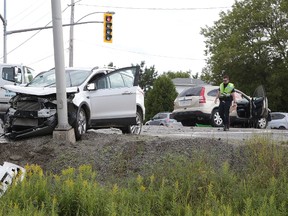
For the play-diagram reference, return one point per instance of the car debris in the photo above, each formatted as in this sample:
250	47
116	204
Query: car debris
10	173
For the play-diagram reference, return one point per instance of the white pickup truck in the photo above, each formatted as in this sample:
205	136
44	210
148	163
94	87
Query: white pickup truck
14	74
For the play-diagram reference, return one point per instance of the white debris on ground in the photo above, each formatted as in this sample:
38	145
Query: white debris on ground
10	173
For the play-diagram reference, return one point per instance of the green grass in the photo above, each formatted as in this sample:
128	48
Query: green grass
175	186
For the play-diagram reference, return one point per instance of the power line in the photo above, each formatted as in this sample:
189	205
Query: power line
163	9
28	11
33	35
149	54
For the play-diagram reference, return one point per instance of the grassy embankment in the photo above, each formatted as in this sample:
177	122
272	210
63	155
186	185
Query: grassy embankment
178	186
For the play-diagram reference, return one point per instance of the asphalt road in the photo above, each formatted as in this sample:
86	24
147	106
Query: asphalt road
204	132
216	133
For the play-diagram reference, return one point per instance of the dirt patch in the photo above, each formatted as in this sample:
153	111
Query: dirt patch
111	155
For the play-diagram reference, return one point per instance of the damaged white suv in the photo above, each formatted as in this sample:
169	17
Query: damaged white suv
97	98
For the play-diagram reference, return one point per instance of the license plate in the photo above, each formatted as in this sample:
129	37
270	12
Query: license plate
185	103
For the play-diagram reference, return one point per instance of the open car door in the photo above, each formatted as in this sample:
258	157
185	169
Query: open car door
115	99
259	103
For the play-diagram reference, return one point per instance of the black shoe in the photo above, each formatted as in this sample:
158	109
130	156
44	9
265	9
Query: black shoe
225	128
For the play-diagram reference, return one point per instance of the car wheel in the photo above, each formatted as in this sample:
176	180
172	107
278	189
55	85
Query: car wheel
216	120
134	129
282	128
262	123
80	124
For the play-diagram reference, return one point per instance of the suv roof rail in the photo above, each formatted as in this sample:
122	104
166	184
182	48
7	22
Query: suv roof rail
94	68
105	67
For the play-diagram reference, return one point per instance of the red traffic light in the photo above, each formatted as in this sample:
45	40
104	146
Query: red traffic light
108	18
108	28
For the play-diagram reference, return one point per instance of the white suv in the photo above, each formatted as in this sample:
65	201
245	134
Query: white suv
196	105
97	98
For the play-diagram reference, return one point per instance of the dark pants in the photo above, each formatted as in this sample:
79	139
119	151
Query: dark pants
224	109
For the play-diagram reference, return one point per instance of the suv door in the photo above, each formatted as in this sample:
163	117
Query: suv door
114	100
259	103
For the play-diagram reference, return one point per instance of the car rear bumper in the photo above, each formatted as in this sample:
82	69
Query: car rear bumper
196	116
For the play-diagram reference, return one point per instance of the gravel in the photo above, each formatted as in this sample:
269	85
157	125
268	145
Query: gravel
113	155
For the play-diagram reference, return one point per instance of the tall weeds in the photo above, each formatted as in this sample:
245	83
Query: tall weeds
177	186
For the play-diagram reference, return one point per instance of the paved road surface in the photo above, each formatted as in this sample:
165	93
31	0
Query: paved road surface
217	133
207	132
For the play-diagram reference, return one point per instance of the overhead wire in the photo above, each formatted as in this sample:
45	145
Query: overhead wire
29	10
21	44
130	8
149	8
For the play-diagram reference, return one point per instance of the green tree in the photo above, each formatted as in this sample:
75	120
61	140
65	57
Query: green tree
147	76
177	74
249	43
161	97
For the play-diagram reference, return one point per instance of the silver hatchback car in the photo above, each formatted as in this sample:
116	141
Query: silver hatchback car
196	105
162	119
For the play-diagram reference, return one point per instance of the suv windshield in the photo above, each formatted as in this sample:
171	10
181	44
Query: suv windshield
48	78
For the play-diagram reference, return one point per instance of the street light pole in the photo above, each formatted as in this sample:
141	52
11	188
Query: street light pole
71	45
4	20
63	130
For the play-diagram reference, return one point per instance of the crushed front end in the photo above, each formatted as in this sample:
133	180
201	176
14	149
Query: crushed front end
30	115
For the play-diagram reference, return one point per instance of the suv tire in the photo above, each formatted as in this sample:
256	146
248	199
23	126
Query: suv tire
80	126
262	123
134	129
216	120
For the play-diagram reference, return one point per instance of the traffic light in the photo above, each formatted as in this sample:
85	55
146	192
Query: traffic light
108	27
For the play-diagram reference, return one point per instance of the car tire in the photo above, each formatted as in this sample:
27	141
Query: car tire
134	129
216	120
262	123
282	128
80	126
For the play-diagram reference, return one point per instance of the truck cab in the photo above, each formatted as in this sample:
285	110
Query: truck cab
14	74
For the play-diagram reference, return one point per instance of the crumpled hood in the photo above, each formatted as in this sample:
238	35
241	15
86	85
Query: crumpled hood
38	91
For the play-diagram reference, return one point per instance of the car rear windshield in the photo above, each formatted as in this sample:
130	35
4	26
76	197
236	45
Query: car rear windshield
195	91
276	116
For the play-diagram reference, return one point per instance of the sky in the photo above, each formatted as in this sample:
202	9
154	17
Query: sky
164	34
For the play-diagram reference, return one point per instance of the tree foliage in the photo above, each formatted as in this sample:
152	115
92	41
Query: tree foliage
250	44
161	97
178	74
147	76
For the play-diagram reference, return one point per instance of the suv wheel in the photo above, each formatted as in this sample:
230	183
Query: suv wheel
80	126
262	123
134	129
216	120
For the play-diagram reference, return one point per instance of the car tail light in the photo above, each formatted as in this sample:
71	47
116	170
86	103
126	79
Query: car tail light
202	98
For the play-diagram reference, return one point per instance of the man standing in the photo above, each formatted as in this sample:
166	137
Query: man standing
226	94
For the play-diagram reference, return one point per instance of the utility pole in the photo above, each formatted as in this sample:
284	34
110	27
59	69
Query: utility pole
71	45
63	131
4	21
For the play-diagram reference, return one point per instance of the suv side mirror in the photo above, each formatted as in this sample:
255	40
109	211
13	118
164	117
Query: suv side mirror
91	86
